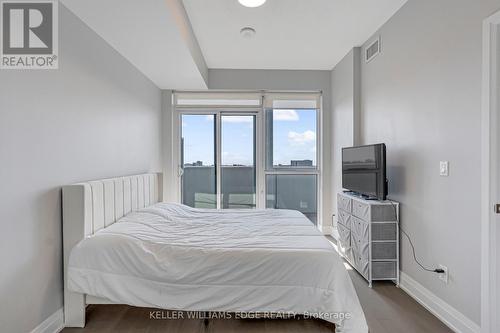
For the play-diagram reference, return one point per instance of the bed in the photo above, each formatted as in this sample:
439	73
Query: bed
123	245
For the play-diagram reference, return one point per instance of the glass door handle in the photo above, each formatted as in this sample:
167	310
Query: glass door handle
180	171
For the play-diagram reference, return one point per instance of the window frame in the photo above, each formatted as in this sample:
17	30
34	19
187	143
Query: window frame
260	142
218	113
293	170
315	170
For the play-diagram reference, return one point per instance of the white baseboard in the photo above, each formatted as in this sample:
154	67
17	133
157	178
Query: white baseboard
53	324
453	318
326	229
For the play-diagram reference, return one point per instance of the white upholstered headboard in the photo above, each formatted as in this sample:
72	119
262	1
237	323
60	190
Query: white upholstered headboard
107	200
91	206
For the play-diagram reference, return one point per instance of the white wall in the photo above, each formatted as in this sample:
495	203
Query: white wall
421	97
170	170
287	80
345	78
95	117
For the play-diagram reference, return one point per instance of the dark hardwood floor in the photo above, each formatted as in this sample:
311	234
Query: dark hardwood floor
127	319
387	308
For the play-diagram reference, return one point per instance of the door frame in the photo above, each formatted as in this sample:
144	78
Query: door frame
219	112
489	175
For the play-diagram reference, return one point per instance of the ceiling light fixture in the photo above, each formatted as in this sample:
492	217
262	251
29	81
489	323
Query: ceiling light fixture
252	3
247	32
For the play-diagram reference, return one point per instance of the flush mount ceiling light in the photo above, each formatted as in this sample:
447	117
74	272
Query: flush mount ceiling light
252	3
247	32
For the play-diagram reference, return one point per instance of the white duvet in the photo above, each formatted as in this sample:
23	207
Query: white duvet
175	257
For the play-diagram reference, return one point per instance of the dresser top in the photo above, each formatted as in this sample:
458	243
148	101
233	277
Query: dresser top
368	201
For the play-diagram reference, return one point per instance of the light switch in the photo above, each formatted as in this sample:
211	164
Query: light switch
444	168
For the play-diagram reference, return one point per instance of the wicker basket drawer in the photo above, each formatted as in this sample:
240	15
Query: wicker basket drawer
348	254
361	210
344	218
344	202
384	270
360	229
384	250
380	213
360	246
361	264
384	231
344	236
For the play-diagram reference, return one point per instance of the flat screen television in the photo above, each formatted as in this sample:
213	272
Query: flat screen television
363	171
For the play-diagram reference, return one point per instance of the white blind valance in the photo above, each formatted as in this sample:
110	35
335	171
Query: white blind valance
270	100
292	100
197	99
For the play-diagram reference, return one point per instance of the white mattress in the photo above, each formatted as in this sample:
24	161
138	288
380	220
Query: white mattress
175	257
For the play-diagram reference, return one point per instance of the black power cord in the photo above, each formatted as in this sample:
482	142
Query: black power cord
436	270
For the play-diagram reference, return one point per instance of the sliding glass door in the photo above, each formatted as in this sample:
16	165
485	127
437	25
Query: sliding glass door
238	161
218	160
198	160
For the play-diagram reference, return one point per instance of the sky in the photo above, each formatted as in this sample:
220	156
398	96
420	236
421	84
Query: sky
294	138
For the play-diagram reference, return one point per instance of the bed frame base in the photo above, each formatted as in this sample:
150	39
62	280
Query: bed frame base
91	206
74	310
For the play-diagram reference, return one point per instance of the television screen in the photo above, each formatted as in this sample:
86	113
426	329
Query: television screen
363	170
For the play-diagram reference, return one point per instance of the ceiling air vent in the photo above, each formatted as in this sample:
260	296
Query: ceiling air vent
372	50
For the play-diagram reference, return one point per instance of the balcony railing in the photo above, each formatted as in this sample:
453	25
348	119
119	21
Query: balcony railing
297	192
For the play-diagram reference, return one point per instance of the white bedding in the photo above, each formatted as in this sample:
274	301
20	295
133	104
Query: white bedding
175	257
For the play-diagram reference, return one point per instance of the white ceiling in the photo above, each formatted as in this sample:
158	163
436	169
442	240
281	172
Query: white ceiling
291	34
154	35
174	42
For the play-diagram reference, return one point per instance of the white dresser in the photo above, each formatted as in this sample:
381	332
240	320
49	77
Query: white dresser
369	236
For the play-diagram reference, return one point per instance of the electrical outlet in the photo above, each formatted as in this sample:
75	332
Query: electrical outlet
443	276
303	204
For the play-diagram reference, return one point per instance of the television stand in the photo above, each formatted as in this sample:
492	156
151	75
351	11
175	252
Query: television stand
369	236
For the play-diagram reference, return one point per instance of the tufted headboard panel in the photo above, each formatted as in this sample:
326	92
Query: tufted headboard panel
94	205
107	200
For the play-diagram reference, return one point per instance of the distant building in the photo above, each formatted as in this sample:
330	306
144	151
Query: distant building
197	163
301	163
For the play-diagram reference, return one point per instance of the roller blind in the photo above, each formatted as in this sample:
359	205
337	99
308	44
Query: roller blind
197	99
271	100
292	100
